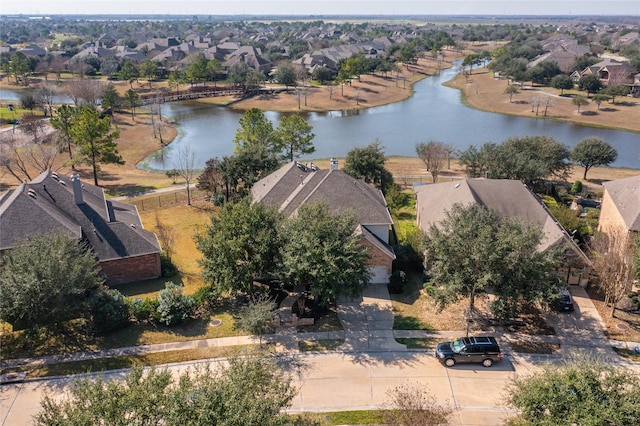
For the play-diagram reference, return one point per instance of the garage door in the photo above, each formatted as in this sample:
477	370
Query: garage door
379	275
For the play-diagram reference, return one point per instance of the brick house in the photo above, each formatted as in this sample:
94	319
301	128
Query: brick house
296	184
125	251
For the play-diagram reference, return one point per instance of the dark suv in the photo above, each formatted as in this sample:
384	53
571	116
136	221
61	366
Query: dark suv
483	350
564	301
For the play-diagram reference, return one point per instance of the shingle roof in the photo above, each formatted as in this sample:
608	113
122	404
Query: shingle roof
295	184
508	198
47	203
625	194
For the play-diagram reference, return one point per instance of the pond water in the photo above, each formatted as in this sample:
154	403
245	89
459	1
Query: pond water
434	112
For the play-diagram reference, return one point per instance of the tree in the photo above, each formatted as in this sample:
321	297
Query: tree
198	71
251	390
579	101
131	100
214	66
472	60
433	154
613	255
285	74
322	74
186	168
20	68
28	101
368	164
149	70
320	250
412	405
615	90
255	130
62	122
176	78
84	92
472	250
95	141
562	82
242	170
529	159
129	72
47	280
582	390
593	152
511	90
110	98
45	98
241	243
476	160
294	136
589	83
599	98
211	180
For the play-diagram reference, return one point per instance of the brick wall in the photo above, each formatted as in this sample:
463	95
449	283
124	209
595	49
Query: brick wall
377	257
609	215
122	271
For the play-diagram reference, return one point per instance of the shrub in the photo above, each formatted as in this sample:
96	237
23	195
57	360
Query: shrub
167	267
576	188
108	311
143	310
173	307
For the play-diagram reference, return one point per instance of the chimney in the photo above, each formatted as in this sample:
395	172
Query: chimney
334	164
77	188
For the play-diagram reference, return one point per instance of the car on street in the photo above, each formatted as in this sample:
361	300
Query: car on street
481	349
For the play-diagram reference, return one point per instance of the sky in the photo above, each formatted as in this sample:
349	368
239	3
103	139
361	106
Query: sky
323	7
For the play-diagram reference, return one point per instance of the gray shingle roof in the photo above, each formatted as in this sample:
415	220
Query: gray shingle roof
508	198
292	186
47	204
625	194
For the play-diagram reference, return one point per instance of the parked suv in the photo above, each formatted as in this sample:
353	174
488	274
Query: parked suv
482	349
564	301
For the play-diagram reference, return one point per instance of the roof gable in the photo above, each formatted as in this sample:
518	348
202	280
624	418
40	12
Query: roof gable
625	194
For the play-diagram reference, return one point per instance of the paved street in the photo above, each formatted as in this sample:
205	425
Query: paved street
367	366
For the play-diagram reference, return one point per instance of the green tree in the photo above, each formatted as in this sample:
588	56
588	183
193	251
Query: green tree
241	243
589	83
20	68
471	61
95	141
198	71
28	101
129	72
294	136
176	78
320	251
579	101
562	82
476	161
530	159
599	98
255	130
367	163
214	66
285	74
47	281
616	90
132	101
592	152
582	390
511	90
110	98
62	122
250	390
322	74
472	251
149	70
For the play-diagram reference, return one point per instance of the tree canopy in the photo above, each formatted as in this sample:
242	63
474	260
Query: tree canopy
593	152
255	130
472	250
95	140
582	391
367	163
248	391
47	280
320	250
294	136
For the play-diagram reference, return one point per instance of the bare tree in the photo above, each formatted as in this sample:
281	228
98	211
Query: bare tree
186	168
613	254
166	236
433	154
27	150
85	92
44	96
548	104
535	103
413	405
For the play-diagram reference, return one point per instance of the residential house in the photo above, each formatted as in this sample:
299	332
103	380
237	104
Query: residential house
508	199
250	56
52	202
610	72
296	184
620	207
